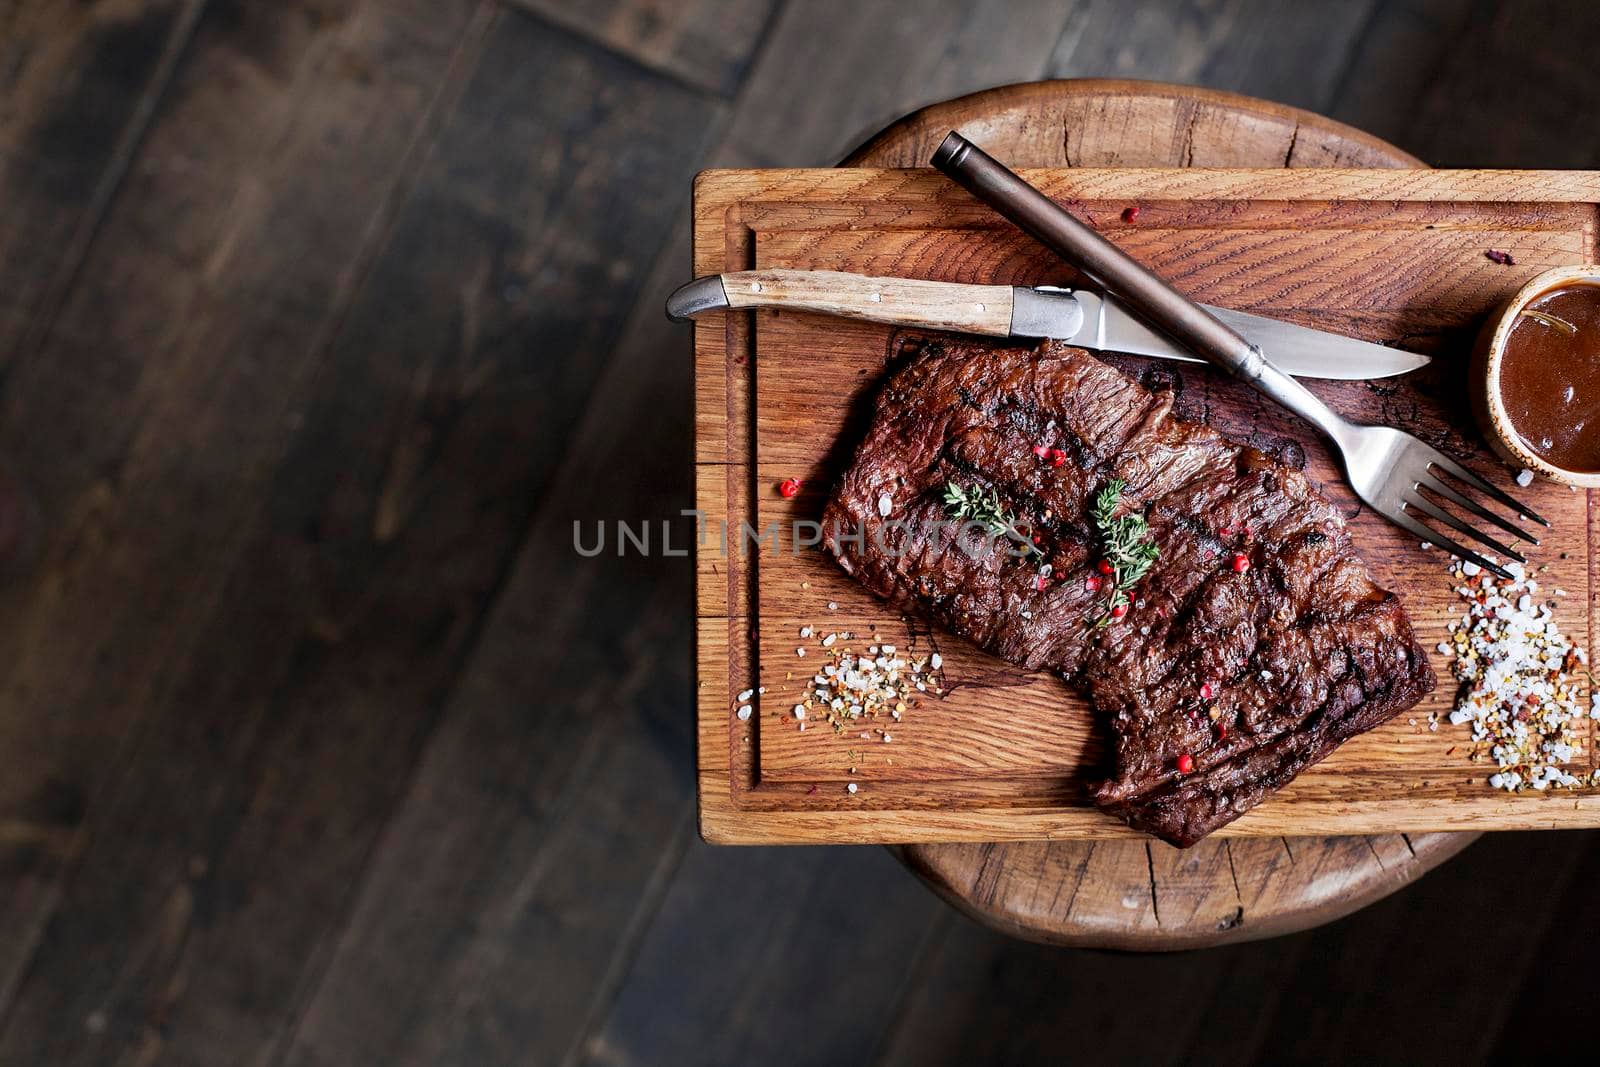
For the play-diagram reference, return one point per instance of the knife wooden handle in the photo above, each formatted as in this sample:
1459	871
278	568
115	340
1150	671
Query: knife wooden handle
980	309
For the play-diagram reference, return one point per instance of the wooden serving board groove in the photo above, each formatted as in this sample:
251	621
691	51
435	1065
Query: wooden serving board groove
1391	256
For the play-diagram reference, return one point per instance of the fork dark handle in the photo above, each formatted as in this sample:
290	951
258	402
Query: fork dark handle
1123	277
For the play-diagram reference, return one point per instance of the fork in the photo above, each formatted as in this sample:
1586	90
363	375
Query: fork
1394	473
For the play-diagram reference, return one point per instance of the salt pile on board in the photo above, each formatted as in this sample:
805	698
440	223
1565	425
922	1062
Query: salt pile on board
882	681
1521	692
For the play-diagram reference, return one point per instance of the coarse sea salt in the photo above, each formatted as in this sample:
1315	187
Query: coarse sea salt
855	686
1521	683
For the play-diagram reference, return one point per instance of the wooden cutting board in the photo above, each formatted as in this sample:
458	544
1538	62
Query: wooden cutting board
1390	256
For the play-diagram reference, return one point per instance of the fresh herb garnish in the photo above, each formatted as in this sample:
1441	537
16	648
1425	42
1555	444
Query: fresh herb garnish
1129	552
984	508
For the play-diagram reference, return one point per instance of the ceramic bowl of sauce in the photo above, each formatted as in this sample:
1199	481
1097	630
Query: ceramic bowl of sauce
1536	374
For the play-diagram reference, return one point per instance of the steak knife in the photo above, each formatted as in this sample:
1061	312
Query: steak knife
1078	316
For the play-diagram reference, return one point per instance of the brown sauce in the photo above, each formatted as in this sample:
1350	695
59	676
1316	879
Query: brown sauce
1550	376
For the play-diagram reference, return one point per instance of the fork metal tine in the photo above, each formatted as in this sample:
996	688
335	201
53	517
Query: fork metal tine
1428	507
1405	521
1435	485
1452	467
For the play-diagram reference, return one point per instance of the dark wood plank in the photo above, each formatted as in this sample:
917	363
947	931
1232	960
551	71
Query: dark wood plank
1515	90
1289	53
1400	53
458	375
769	955
1531	1022
1471	931
577	683
986	998
707	43
78	82
194	337
565	750
535	830
833	72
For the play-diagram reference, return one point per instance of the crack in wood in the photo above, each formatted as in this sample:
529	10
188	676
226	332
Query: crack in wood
979	889
1083	874
1187	154
1150	864
1233	872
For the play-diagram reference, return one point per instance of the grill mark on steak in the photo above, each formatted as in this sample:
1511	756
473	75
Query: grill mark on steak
1201	533
1060	529
1340	651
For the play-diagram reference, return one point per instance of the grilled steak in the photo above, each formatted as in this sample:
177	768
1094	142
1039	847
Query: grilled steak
1256	643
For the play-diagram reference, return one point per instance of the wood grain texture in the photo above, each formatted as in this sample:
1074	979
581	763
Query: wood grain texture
1151	896
1408	54
191	713
707	43
1529	114
492	401
1110	122
1387	255
797	955
1294	53
78	84
848	68
980	309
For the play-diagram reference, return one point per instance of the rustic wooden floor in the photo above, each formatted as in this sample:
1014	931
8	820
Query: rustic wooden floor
321	320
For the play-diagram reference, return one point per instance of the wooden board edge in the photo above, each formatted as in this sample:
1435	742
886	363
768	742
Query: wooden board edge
717	190
1063	96
723	822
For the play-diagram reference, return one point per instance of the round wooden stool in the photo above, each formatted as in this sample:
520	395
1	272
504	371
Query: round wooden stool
1134	894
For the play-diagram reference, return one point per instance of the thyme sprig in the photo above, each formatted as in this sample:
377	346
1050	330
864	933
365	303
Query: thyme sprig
1125	540
982	506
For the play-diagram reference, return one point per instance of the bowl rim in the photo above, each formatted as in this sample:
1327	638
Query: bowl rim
1499	418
